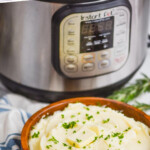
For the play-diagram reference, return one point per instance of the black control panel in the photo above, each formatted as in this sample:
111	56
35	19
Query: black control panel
97	35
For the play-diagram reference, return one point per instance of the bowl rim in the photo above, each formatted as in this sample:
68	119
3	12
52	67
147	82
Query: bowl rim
57	105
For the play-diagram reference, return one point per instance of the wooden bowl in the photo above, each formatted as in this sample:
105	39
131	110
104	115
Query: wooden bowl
127	110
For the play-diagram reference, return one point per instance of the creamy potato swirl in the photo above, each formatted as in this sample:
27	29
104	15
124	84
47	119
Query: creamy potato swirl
80	127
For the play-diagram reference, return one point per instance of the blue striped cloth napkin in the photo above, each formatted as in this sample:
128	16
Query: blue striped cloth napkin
14	112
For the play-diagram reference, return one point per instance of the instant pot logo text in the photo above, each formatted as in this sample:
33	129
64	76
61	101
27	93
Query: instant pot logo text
90	17
96	15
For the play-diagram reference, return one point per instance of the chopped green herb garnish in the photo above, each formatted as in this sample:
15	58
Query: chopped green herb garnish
53	140
139	142
120	142
88	117
84	122
97	112
127	129
69	125
116	134
74	131
95	139
78	140
64	144
48	146
87	108
62	116
107	137
106	121
101	136
72	116
36	135
121	136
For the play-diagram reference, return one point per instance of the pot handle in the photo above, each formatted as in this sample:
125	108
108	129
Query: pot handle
149	40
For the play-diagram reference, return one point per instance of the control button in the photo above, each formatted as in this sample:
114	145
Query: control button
120	51
88	67
122	23
71	68
71	50
97	42
105	45
88	50
89	44
120	59
104	64
104	54
71	22
71	32
121	41
88	58
70	59
122	17
122	14
105	41
121	32
71	41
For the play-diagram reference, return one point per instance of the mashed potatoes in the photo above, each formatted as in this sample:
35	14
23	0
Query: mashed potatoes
79	127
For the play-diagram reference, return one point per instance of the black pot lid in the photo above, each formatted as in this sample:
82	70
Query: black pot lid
69	1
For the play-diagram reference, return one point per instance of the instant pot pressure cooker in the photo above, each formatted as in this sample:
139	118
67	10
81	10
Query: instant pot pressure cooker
66	48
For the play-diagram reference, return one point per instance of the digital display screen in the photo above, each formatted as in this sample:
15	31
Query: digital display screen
97	34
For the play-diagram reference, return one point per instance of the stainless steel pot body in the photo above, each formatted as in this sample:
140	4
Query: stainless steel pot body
25	47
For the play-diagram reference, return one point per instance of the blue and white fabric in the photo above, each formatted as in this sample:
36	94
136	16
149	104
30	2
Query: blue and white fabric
14	112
